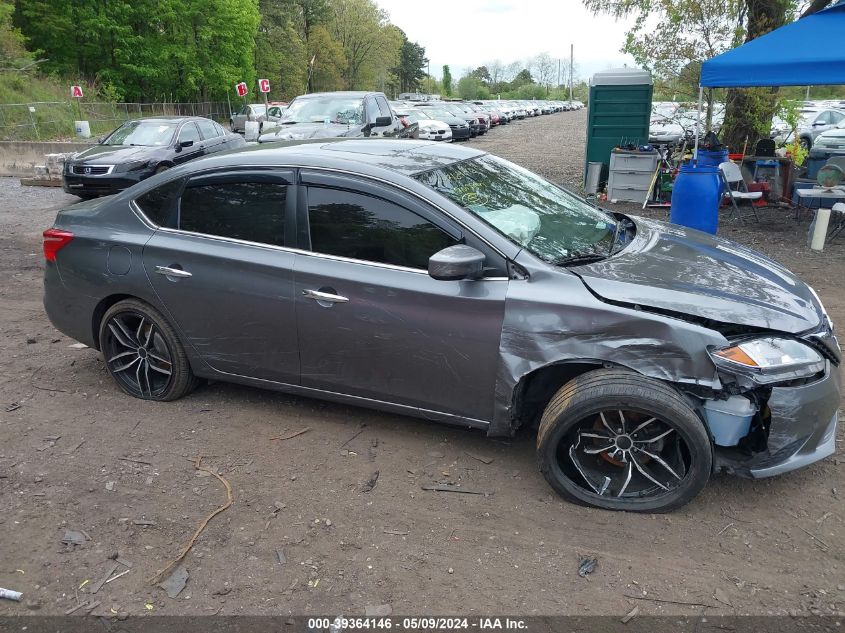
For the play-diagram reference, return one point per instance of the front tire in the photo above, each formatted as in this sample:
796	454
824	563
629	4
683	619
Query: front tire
143	354
617	440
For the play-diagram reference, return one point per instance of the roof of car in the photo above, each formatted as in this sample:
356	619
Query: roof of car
402	156
342	94
164	118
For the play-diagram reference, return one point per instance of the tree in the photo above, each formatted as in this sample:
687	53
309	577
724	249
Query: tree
146	49
749	112
447	81
412	62
360	28
496	70
545	69
12	48
482	74
692	31
280	54
523	77
329	60
471	87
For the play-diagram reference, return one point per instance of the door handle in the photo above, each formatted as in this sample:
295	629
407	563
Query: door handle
172	272
323	296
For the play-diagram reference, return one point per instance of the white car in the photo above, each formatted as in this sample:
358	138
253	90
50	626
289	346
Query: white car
429	129
832	139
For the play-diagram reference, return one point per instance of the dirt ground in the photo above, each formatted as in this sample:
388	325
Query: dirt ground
76	454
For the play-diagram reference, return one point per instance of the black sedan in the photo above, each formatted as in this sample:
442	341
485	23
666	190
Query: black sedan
140	148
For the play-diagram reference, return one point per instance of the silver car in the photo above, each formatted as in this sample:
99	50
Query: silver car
252	112
445	283
814	121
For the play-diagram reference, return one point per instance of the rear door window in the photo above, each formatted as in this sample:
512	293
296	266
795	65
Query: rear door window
208	129
159	205
253	211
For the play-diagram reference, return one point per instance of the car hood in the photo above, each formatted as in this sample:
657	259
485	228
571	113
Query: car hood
111	154
301	131
837	133
681	270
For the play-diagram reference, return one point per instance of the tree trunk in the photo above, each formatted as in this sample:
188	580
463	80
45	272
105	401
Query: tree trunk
749	111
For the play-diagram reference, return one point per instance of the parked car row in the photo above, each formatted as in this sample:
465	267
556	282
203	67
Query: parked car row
815	121
143	147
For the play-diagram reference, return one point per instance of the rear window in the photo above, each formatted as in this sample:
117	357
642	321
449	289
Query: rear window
159	204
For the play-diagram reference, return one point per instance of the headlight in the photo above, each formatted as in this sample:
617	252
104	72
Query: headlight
769	359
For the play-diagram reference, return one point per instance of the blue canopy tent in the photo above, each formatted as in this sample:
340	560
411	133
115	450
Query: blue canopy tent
807	52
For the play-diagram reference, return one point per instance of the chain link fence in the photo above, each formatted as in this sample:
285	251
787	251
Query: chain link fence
54	120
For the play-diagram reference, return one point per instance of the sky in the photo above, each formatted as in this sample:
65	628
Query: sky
468	33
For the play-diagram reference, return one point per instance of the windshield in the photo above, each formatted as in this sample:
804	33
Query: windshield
346	110
548	221
437	113
150	133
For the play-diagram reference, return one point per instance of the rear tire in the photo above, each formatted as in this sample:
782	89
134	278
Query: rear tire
616	440
143	353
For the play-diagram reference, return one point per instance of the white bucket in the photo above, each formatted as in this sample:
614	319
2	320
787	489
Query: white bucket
251	131
83	129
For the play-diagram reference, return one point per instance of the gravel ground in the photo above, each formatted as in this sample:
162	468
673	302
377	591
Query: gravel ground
78	455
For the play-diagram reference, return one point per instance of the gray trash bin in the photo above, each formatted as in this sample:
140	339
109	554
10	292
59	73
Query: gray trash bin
593	178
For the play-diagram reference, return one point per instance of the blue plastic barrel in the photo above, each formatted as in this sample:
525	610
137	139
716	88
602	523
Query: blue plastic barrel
706	157
696	196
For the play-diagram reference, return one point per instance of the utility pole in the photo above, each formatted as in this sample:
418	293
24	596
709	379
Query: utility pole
807	96
558	73
571	63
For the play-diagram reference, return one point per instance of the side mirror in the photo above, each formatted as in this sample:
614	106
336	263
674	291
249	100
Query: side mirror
185	143
383	121
454	263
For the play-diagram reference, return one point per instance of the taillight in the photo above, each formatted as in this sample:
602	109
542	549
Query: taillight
54	241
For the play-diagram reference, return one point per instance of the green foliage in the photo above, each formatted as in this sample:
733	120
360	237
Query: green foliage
173	50
146	49
12	51
790	111
447	81
412	61
329	61
370	43
471	87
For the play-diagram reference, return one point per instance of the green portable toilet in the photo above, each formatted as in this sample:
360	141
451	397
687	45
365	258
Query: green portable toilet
619	113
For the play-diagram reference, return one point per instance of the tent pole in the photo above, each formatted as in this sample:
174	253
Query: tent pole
698	125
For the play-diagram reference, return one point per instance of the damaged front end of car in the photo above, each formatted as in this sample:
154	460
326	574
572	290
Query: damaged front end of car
781	400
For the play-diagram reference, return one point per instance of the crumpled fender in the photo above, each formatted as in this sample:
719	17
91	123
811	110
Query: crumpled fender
551	317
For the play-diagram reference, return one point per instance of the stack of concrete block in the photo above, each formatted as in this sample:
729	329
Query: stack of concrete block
50	173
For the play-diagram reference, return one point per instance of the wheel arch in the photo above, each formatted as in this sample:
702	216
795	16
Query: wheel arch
535	389
100	310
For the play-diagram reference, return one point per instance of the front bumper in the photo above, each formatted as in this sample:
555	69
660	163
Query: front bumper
445	135
102	185
802	429
460	133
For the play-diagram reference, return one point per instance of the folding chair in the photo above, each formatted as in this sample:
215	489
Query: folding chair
731	175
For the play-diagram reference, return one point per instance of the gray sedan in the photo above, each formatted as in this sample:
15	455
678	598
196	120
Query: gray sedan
449	284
